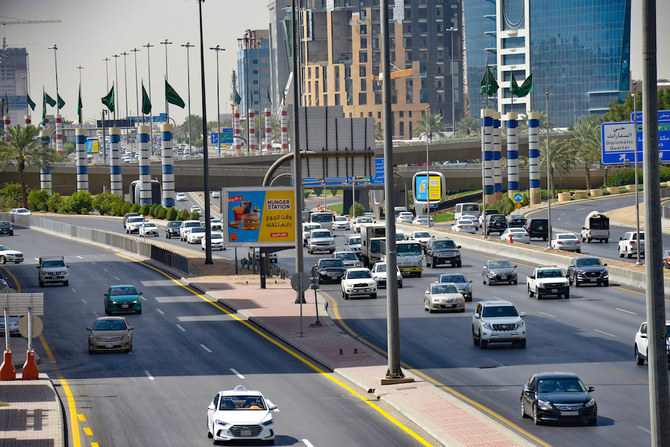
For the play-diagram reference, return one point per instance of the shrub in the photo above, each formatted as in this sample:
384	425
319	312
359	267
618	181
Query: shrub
117	209
79	203
307	193
126	208
38	200
12	191
356	209
144	210
172	214
184	215
54	203
152	210
134	208
162	212
194	216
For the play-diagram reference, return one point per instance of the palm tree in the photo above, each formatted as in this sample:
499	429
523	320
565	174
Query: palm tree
562	159
430	125
468	126
379	131
26	149
585	142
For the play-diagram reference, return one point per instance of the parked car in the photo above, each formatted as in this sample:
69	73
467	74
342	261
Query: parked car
566	242
358	282
462	281
172	228
110	334
464	226
537	228
341	223
442	251
349	258
9	255
329	270
148	229
405	217
587	270
379	275
628	245
516	221
498	322
558	396
6	228
123	298
519	235
441	296
499	270
216	241
642	343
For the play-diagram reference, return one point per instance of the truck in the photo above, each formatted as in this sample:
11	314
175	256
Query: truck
373	237
548	280
409	256
52	269
596	227
628	244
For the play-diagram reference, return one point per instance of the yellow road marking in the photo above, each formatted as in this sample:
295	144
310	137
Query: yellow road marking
395	421
16	281
94	444
81	417
76	436
88	431
617	371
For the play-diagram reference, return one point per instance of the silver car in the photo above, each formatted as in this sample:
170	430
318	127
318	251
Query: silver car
463	283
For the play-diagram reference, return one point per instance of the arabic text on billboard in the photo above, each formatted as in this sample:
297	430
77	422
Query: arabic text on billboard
260	217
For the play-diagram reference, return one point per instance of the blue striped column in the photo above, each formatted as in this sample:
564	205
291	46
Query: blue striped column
82	162
145	169
487	149
534	157
512	153
168	166
497	158
45	172
59	134
115	178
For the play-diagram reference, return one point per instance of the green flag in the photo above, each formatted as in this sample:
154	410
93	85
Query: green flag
525	88
489	84
49	100
109	99
61	103
237	99
44	107
146	102
79	106
267	95
30	102
172	96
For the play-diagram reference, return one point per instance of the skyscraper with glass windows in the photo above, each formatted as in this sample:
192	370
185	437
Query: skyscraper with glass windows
578	51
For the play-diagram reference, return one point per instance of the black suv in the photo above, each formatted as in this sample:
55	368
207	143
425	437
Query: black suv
172	228
496	223
537	227
6	228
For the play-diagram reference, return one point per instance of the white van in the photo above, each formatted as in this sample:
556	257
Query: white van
323	218
468	208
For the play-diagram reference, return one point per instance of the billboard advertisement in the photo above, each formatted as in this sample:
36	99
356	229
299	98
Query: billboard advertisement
432	191
92	146
261	217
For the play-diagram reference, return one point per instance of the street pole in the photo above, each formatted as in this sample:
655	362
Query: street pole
80	68
188	82
106	74
137	92
637	188
166	43
205	155
246	84
451	31
427	170
116	84
125	83
151	114
218	102
55	48
548	160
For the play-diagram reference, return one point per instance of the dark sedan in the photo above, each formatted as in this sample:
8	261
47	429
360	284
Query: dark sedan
330	270
172	229
516	221
558	396
499	270
6	228
588	269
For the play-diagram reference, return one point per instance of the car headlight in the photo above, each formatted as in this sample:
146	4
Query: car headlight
544	405
267	421
487	325
491	274
606	275
520	324
590	403
220	422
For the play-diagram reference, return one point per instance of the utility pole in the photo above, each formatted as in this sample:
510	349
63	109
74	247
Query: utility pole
188	45
205	155
166	43
217	49
116	83
137	93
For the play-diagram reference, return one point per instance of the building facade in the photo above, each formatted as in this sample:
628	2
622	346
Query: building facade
14	81
254	71
578	52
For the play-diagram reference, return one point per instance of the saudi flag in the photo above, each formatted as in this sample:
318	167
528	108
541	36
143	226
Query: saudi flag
489	84
172	96
237	99
49	100
146	102
525	88
30	102
61	103
79	107
108	100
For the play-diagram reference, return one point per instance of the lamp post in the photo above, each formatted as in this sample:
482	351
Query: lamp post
55	48
548	159
187	45
205	155
125	81
116	83
106	73
427	167
217	49
151	114
245	39
451	32
166	43
137	93
637	192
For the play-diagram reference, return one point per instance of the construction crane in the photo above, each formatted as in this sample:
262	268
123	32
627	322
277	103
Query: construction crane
27	22
408	72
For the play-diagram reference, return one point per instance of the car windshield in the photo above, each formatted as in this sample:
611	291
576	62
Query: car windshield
110	325
309	228
347	256
358	274
560	385
500	311
364	220
516	217
191	224
322	217
408	249
517	230
380	267
443	288
329	263
355	241
553	273
453	278
497	217
466	222
53	263
3	248
566	236
136	219
4	225
173	224
316	234
588	262
421	234
341	219
120	291
439	245
500	264
473	207
242	403
197	230
375	245
217	236
149	225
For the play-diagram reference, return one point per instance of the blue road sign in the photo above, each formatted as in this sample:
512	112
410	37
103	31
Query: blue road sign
226	136
663	115
378	178
618	142
517	197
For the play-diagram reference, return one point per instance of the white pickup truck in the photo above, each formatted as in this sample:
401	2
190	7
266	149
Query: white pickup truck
628	244
548	280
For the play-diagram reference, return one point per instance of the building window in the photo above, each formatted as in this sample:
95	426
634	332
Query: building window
325	100
411	133
364	29
379	115
337	99
401	114
401	129
362	71
362	57
378	97
364	84
364	42
362	99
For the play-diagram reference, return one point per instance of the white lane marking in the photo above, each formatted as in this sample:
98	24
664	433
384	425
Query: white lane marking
80	257
548	315
74	290
307	443
149	376
626	311
205	348
646	430
605	333
236	373
160	311
105	269
117	278
181	328
83	301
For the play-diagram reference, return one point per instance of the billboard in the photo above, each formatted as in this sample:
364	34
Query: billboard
620	139
261	217
92	146
432	191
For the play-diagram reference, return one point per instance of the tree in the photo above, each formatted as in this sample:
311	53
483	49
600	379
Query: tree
430	125
379	131
196	127
468	126
585	142
25	149
562	159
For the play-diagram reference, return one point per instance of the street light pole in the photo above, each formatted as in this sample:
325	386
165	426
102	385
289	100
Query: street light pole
151	113
427	167
116	83
188	45
548	159
246	85
166	43
218	102
637	188
106	74
125	81
205	155
137	93
452	30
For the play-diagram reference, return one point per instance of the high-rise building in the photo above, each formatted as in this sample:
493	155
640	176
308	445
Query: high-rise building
14	81
253	68
578	52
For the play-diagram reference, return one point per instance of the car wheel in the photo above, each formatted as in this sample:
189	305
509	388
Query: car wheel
538	296
475	339
418	275
66	283
91	351
605	240
515	282
483	344
373	296
468	297
579	250
425	306
566	295
536	417
530	292
130	348
3	260
107	312
620	254
523	410
606	283
433	262
459	264
576	283
521	344
638	358
209	432
630	255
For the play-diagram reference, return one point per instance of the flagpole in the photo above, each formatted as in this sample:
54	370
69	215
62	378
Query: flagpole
151	115
116	82
55	48
166	43
137	94
188	84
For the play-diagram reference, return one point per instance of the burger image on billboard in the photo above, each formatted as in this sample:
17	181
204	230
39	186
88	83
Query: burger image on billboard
250	222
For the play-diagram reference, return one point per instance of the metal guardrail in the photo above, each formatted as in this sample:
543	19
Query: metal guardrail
121	241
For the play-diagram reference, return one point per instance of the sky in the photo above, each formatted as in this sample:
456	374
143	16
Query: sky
92	30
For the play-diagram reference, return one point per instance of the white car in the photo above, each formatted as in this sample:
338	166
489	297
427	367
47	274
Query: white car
379	274
421	236
180	197
240	414
341	223
216	194
405	217
443	296
349	258
498	322
356	226
423	220
566	241
196	208
186	226
8	255
216	224
642	343
217	241
518	235
21	211
320	240
353	244
358	282
307	229
400	236
464	226
134	223
195	235
148	229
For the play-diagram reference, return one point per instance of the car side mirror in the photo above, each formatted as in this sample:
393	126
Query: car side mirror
567	276
470	281
89	329
211	407
476	316
522	314
37	266
458	246
604	265
515	266
526	389
140	293
584	228
621	239
643	335
130	328
591	389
